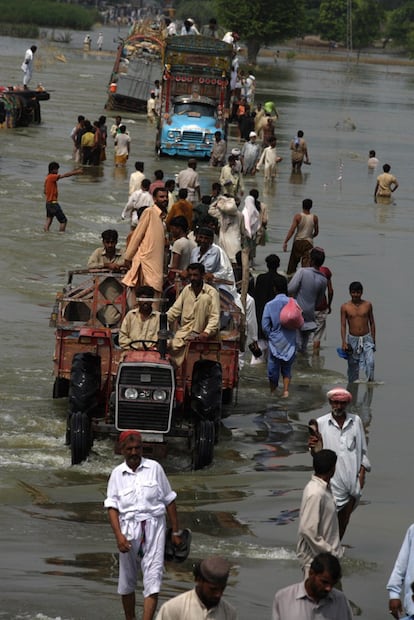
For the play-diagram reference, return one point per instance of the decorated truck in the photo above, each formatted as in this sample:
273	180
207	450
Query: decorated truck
195	95
110	389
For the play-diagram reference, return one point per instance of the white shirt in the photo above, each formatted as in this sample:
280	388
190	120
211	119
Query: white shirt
350	445
27	64
135	181
138	495
137	199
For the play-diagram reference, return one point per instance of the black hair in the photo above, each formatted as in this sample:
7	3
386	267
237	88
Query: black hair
110	235
324	461
53	166
179	221
355	286
272	261
329	563
144	290
197	267
317	256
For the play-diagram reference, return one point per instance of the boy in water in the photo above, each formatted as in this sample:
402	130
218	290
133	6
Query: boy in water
53	208
360	343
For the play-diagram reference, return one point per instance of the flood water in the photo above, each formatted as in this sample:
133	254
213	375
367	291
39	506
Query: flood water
58	553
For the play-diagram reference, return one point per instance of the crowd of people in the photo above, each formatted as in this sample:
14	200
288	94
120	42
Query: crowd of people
177	232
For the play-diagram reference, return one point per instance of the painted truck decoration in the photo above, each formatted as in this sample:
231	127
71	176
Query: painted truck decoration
195	95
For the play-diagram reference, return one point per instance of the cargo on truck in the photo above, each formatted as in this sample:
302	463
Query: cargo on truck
195	95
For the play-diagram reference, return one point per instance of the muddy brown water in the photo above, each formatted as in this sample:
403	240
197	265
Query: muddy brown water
58	554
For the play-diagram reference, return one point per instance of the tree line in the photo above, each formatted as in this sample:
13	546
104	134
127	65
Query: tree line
357	24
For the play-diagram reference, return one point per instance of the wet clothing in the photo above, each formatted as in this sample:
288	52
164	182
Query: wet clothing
318	523
303	242
385	180
141	498
282	342
187	606
250	155
27	66
135	181
362	356
264	291
299	148
218	153
308	287
188	179
269	159
350	445
53	208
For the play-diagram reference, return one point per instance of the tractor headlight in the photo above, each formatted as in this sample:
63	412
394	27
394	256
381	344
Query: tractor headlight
159	395
131	393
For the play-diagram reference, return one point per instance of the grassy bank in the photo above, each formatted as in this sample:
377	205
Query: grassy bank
21	14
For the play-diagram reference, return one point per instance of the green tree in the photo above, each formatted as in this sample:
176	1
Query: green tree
332	20
201	11
367	18
261	22
401	25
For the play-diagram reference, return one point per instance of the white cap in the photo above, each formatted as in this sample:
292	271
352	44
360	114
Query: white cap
252	134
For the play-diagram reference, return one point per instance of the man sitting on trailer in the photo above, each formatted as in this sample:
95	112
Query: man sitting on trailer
108	257
197	309
142	323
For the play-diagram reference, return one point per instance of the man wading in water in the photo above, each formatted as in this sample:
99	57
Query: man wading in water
360	343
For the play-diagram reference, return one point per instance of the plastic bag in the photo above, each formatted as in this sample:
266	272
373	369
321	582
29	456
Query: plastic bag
291	316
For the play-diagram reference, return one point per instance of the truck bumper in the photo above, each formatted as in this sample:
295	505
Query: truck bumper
183	150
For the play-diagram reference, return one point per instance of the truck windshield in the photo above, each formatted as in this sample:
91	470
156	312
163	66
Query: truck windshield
194	109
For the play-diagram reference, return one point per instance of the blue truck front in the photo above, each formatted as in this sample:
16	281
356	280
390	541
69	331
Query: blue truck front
189	130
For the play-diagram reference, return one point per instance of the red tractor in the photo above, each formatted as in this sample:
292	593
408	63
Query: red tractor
111	390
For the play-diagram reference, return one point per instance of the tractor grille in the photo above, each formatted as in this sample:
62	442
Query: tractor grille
192	136
144	414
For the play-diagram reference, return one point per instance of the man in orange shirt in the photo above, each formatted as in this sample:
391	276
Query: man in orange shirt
53	208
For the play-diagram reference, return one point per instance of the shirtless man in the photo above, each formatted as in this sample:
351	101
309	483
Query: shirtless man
386	184
306	227
360	343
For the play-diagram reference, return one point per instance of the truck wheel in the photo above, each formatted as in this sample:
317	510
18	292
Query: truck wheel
203	450
80	437
60	387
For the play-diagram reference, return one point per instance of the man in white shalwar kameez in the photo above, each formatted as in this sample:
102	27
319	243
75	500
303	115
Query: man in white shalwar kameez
344	433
